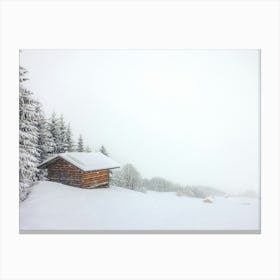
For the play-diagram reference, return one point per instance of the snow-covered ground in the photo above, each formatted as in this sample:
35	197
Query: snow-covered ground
53	206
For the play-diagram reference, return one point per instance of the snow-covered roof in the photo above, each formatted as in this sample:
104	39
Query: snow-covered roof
85	161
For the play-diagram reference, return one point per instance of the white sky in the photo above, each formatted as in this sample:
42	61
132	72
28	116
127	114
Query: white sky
188	116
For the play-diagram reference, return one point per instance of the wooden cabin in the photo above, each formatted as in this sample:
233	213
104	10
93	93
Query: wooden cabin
84	170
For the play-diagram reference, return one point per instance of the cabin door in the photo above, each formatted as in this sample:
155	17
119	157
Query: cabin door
63	178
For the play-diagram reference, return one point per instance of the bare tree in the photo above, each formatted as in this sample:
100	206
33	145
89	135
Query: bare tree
128	177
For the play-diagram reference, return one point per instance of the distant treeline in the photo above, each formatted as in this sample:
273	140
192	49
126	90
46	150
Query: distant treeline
129	177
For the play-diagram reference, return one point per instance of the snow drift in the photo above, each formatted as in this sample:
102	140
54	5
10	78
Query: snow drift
54	206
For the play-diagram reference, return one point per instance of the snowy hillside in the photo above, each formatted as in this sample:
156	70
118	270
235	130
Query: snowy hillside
53	206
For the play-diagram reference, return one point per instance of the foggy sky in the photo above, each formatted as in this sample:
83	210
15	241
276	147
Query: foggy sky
188	116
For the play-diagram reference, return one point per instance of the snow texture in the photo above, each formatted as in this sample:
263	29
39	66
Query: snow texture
54	206
86	161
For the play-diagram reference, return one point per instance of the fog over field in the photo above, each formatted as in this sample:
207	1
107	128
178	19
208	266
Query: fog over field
189	116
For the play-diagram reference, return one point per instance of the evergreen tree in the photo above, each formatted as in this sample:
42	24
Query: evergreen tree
103	151
55	131
28	137
62	145
80	147
88	149
46	144
69	139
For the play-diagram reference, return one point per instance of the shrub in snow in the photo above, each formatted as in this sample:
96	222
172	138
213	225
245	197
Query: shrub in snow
208	200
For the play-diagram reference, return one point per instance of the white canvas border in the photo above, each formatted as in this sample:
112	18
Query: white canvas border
130	25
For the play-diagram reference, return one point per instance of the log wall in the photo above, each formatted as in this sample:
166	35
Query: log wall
63	172
93	179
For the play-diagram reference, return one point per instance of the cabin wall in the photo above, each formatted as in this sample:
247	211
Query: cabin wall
94	179
63	172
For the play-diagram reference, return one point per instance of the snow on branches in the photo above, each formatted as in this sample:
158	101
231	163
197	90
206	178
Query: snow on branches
28	137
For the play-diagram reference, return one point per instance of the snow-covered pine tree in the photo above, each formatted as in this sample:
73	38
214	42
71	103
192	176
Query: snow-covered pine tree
46	144
54	130
22	75
69	139
62	145
28	137
103	151
88	149
80	147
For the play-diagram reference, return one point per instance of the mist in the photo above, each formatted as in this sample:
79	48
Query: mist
190	116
